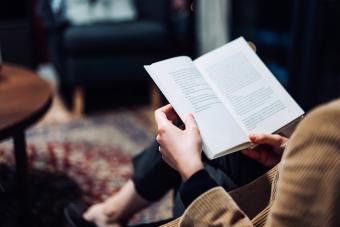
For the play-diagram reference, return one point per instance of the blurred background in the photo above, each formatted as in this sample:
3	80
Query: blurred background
100	45
92	53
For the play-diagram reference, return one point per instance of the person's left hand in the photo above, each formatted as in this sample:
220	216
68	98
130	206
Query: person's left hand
270	149
180	148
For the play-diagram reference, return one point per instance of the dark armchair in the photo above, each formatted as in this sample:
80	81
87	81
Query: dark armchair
113	52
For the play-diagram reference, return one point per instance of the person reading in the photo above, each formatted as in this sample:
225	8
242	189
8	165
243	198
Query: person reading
305	190
230	92
153	178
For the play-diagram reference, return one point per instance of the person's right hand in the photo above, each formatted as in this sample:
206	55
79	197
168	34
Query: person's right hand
180	148
269	150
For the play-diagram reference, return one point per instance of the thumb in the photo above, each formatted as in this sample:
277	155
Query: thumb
160	117
273	140
190	122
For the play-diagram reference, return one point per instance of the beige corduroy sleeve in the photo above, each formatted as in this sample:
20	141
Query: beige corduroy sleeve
308	186
214	208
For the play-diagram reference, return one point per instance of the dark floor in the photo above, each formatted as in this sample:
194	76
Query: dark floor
49	193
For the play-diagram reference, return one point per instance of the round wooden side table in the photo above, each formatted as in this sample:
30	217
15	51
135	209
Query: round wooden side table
24	99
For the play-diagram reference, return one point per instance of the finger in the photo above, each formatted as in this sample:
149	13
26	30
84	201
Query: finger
264	157
252	46
273	140
264	148
190	122
172	116
251	154
169	112
161	118
166	107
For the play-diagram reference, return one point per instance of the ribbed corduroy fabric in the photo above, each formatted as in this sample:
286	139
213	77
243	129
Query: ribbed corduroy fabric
305	190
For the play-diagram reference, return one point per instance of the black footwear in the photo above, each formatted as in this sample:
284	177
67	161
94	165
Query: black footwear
74	215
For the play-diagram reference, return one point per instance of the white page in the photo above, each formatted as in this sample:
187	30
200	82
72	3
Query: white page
188	92
248	88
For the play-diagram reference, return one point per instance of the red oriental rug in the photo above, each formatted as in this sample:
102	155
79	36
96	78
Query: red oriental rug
87	159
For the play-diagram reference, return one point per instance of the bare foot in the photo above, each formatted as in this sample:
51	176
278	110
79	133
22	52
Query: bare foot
116	210
96	215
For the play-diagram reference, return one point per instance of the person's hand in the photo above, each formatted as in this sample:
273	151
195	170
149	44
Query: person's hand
180	148
269	150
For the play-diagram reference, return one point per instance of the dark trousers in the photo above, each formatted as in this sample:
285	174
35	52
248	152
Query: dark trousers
153	178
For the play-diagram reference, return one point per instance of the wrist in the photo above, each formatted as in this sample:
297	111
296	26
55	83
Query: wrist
190	170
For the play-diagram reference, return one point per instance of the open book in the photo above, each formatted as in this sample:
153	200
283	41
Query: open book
230	92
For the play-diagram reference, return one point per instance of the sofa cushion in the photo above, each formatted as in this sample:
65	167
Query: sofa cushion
95	70
131	36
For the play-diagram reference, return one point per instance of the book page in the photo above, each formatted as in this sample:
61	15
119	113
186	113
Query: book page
248	88
188	92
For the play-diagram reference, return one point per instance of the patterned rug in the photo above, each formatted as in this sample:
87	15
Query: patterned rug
87	159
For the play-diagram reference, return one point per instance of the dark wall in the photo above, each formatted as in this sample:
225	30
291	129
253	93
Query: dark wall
299	42
13	9
16	32
315	55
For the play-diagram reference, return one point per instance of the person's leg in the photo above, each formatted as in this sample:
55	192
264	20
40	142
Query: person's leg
152	179
118	208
